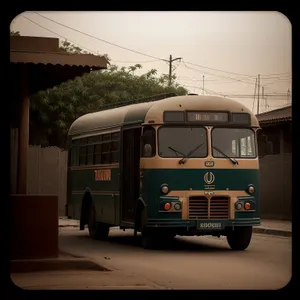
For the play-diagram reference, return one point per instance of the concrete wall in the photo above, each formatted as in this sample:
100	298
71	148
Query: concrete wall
276	172
276	186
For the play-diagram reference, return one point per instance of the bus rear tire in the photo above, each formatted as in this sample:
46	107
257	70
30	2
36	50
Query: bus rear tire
239	238
97	230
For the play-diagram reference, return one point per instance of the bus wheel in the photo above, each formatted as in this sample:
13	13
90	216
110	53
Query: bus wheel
97	230
240	237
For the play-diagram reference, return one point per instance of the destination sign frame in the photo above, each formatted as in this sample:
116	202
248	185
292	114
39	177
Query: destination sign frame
208	117
237	118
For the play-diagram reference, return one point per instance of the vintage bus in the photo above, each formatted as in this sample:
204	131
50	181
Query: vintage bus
175	165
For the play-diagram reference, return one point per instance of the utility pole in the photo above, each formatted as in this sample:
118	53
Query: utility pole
288	96
263	96
170	61
254	94
203	86
258	87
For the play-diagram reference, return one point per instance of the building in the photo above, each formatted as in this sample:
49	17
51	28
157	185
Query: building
276	166
36	64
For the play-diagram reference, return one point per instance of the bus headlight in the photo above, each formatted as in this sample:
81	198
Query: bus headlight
238	205
164	189
177	206
251	189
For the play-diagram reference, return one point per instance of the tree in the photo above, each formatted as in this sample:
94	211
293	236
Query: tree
15	33
70	48
54	110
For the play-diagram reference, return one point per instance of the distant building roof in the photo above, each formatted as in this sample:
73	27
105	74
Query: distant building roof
283	114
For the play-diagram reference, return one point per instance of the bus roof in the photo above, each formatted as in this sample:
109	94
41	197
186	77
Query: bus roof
153	111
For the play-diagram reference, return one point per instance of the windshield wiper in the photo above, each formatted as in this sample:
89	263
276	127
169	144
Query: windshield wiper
176	151
234	161
186	157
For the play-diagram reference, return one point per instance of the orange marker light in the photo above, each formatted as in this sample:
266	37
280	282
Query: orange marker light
247	205
167	206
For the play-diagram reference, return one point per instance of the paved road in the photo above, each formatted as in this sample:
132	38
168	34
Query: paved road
189	262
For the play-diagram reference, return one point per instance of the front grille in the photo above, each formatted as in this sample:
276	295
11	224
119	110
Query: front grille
214	208
198	208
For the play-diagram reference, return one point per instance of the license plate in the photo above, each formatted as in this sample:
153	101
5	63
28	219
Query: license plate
210	225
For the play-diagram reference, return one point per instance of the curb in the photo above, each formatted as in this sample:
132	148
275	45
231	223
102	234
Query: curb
272	232
54	264
260	230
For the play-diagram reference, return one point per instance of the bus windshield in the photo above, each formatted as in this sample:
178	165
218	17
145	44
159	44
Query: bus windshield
179	141
234	142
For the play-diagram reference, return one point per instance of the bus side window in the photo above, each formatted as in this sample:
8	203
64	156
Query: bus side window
73	154
149	145
83	151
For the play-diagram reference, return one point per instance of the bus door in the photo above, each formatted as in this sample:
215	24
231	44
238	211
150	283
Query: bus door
130	170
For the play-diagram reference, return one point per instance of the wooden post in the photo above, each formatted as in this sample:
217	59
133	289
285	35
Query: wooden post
23	136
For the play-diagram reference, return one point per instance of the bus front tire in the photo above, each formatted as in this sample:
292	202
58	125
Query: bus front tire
239	238
97	230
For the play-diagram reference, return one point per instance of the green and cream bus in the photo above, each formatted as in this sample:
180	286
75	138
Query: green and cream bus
175	165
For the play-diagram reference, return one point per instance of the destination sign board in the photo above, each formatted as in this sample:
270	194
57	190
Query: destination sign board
210	117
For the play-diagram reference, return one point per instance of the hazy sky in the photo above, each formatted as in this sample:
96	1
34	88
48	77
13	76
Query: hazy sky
228	48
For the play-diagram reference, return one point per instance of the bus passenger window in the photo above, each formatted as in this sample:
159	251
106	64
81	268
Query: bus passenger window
73	157
114	151
82	155
105	153
149	144
90	154
97	159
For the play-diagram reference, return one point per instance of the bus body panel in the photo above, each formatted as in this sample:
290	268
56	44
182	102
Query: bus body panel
208	189
105	193
183	183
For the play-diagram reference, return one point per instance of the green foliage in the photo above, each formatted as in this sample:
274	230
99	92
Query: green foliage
54	110
14	33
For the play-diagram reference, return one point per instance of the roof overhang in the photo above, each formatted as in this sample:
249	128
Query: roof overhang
275	117
275	122
45	58
45	65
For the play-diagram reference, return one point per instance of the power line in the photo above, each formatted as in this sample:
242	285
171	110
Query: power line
228	72
137	62
283	79
59	35
223	76
213	69
94	37
237	95
184	78
138	52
